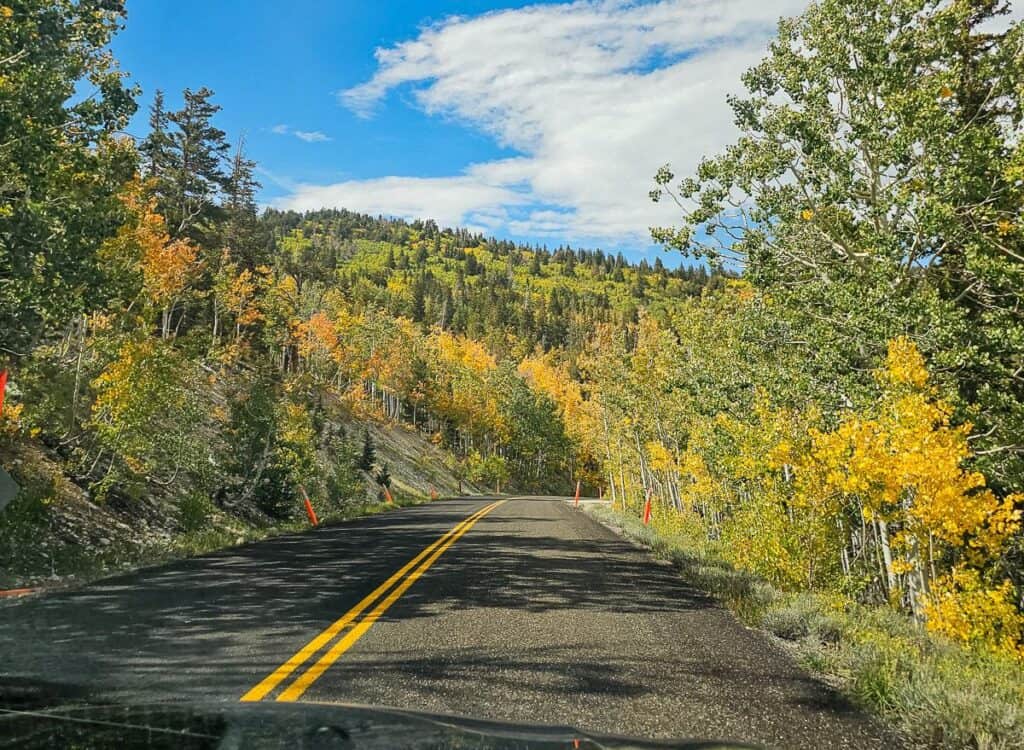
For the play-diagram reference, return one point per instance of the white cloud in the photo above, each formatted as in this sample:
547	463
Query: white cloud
594	94
309	136
470	198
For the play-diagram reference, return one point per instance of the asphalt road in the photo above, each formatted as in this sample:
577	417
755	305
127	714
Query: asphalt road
530	613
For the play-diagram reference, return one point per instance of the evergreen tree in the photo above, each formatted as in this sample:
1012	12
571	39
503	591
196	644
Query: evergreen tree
193	178
535	268
156	147
368	454
418	309
569	268
242	233
639	287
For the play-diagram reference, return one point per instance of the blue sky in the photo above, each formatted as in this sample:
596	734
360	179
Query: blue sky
536	122
270	68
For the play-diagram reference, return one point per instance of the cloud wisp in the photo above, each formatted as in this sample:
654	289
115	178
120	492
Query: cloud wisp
309	136
594	95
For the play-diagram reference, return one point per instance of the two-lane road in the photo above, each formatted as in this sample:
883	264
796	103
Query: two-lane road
514	609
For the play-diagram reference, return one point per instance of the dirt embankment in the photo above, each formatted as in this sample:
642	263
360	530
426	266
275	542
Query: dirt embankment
54	533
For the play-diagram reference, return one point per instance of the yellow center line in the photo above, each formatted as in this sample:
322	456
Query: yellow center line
275	678
307	678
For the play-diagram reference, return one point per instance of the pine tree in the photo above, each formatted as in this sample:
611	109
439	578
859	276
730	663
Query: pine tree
156	147
368	454
384	476
194	179
535	269
242	234
569	269
639	288
419	309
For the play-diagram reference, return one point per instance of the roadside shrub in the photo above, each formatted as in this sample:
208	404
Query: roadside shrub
803	616
146	414
962	608
275	495
344	482
194	512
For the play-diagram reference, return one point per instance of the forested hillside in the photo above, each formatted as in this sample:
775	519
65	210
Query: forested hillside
836	408
165	339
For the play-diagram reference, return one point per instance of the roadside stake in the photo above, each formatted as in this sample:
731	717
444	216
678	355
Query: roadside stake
272	681
15	592
309	507
647	509
576	501
387	494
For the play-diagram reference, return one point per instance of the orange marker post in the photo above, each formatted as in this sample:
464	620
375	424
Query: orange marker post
309	507
647	509
15	592
433	493
576	500
3	387
387	494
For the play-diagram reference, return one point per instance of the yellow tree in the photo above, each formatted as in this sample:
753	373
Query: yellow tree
317	345
142	249
903	463
581	420
235	295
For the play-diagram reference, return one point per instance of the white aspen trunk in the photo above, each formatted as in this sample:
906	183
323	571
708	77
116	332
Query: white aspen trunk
622	485
216	323
644	479
78	370
883	540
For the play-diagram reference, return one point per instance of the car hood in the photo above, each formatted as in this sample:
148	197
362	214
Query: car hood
35	719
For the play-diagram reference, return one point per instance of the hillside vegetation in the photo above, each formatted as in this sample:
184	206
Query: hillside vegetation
834	412
180	362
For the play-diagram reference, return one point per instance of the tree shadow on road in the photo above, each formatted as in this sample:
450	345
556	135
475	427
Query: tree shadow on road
211	627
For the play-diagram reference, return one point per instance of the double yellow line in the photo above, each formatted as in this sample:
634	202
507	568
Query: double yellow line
424	560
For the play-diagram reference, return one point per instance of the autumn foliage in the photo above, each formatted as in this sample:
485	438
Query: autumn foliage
878	500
